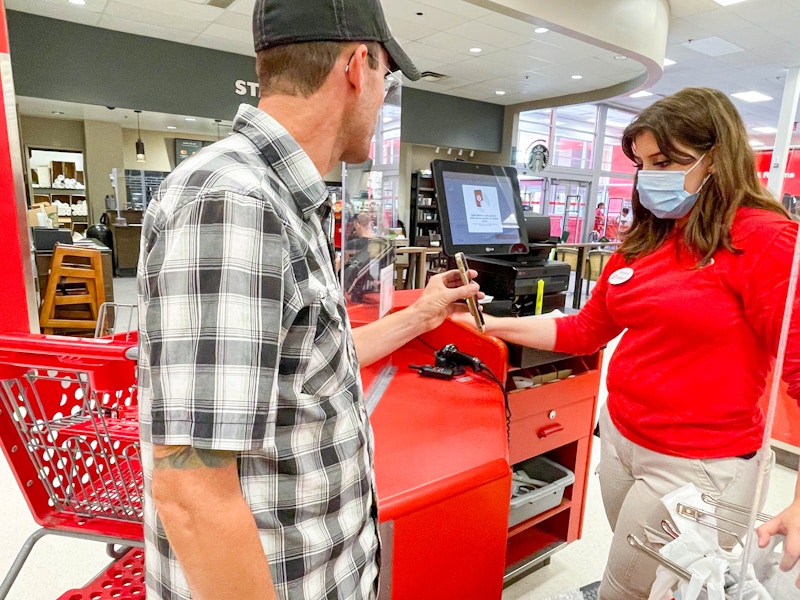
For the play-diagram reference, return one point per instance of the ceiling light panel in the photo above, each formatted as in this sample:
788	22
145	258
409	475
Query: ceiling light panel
752	96
728	2
765	129
642	94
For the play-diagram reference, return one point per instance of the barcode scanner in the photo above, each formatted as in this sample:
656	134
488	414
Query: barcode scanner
450	356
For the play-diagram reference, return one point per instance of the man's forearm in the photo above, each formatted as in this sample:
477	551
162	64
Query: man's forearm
209	525
379	338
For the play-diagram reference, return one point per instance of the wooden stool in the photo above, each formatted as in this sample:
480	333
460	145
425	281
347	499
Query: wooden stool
74	290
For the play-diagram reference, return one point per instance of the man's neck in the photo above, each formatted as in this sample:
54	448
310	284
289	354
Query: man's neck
314	123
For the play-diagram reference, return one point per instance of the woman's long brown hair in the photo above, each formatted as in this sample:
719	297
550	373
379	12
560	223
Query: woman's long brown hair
706	121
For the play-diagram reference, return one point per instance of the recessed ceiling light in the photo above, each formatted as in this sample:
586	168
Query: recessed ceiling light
752	96
78	2
57	112
620	57
387	119
765	129
500	92
642	94
171	127
541	30
577	76
191	119
669	62
755	143
476	50
727	2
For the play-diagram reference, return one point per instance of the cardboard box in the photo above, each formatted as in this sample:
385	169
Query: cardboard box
49	210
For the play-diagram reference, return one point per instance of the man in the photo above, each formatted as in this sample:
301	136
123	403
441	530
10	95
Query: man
256	447
624	220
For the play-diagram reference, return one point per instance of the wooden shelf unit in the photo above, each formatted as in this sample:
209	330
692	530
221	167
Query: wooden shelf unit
68	196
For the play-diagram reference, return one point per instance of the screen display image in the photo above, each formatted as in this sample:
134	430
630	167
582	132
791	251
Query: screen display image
480	208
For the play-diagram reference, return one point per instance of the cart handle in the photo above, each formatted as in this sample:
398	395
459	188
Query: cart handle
108	362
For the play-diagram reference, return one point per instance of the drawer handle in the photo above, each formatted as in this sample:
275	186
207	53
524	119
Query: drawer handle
550	430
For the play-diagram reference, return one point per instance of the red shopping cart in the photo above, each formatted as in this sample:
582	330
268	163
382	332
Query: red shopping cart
69	430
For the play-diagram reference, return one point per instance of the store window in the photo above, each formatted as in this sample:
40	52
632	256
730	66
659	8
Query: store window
534	128
615	194
574	136
614	159
531	191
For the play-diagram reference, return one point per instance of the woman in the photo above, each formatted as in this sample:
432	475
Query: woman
699	286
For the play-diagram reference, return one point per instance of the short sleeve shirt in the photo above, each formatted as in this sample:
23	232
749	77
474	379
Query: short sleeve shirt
245	346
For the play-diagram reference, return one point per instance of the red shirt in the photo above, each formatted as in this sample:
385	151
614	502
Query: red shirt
687	375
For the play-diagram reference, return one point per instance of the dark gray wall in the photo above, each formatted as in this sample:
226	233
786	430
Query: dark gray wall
59	60
440	120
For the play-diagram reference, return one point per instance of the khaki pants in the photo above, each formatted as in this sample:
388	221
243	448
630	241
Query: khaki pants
632	482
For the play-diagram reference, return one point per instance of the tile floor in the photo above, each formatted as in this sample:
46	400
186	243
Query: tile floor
58	564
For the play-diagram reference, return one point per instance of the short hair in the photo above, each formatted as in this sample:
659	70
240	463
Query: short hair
363	219
300	69
706	121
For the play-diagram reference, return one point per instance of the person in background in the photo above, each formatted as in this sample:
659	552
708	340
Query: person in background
624	220
256	446
363	229
600	219
698	287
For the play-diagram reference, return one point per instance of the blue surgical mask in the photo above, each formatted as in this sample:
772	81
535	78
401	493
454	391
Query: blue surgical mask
663	193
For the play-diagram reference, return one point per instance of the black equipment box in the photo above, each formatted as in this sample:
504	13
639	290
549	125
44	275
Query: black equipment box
507	278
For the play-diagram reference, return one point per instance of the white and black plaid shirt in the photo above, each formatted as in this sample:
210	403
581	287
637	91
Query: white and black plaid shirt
246	346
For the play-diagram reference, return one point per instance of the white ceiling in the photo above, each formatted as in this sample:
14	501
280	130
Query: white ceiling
526	65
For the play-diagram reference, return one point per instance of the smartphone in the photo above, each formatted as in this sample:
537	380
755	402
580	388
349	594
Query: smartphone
472	301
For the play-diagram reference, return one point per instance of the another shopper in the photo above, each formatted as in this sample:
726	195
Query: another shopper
256	447
600	219
699	287
624	221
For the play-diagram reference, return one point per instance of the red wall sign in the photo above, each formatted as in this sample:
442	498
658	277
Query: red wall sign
791	181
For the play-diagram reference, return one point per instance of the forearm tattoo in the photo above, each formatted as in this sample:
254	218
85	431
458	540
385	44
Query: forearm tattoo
186	457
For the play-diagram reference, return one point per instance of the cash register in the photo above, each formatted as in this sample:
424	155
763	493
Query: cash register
481	215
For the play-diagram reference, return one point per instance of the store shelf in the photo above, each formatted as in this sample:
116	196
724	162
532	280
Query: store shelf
424	211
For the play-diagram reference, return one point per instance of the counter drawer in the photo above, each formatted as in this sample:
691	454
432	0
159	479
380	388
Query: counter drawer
541	422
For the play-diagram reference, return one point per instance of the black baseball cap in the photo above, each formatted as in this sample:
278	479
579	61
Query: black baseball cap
280	22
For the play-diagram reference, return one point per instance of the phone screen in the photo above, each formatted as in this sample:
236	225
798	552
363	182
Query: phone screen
472	301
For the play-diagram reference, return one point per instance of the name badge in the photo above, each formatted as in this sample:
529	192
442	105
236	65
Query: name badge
620	276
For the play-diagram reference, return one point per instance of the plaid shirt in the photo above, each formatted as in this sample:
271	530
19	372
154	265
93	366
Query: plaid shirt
246	346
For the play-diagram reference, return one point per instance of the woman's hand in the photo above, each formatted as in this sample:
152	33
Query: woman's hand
787	523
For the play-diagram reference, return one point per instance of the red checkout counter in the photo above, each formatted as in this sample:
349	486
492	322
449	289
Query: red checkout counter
442	463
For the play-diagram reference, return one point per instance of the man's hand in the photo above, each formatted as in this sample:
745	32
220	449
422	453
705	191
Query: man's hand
787	523
379	338
438	298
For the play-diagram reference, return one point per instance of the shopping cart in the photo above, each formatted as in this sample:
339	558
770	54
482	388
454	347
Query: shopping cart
69	430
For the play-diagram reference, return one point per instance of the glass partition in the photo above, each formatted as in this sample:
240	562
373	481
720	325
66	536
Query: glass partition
369	216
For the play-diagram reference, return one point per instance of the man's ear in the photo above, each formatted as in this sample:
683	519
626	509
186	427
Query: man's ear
354	70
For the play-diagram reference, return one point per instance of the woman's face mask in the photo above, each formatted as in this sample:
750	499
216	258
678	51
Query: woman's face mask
663	193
